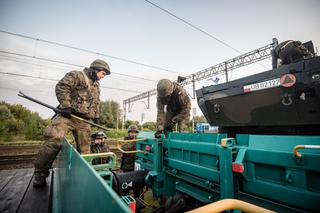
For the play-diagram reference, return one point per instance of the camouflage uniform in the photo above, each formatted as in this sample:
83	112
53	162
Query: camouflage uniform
99	148
177	110
290	51
127	160
76	90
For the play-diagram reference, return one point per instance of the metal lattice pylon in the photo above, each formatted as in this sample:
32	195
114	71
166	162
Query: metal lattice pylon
224	67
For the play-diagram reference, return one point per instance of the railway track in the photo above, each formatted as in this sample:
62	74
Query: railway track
17	159
18	149
23	156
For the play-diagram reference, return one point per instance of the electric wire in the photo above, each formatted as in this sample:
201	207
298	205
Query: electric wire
51	79
197	28
69	64
90	51
193	26
27	90
20	60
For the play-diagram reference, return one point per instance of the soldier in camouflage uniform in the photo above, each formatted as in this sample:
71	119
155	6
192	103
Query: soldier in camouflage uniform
98	142
98	145
127	160
178	106
78	93
290	51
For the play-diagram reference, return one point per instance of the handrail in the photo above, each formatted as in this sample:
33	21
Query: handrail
229	204
133	140
101	154
110	158
130	152
296	148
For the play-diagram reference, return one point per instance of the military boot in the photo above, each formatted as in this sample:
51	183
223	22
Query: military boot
39	180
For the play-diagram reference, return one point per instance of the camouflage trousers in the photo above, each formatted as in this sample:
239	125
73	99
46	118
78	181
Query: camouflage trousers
127	160
99	149
54	135
182	124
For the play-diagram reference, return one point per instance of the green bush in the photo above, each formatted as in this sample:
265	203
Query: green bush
113	133
18	121
149	126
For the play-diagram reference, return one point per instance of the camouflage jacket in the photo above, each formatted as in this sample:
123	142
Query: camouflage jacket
78	91
178	104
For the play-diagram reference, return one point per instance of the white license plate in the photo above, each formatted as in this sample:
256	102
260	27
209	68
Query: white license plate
262	85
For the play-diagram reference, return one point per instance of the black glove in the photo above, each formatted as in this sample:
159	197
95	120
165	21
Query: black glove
66	112
96	120
157	134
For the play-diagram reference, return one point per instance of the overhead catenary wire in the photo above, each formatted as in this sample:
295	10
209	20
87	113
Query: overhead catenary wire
51	79
90	51
27	90
193	26
197	28
69	64
21	60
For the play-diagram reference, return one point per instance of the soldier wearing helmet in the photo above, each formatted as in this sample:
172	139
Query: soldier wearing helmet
177	102
98	142
98	145
78	93
127	160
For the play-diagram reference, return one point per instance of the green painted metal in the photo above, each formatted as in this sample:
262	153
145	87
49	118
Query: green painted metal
272	171
195	192
155	177
189	159
112	159
197	165
194	153
226	176
79	188
103	169
145	161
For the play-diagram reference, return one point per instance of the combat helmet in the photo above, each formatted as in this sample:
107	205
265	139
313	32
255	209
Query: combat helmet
100	64
133	128
98	134
164	88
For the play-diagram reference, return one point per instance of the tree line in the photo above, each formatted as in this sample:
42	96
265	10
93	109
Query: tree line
18	121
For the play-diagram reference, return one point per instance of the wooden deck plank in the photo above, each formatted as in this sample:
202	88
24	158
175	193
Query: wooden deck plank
12	194
5	177
37	199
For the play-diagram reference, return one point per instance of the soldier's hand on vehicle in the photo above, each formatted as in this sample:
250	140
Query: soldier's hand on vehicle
157	134
66	112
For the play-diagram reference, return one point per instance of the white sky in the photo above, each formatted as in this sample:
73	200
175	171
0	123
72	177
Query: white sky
138	31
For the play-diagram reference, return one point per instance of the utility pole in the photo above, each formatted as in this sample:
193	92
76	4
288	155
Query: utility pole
124	113
194	113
